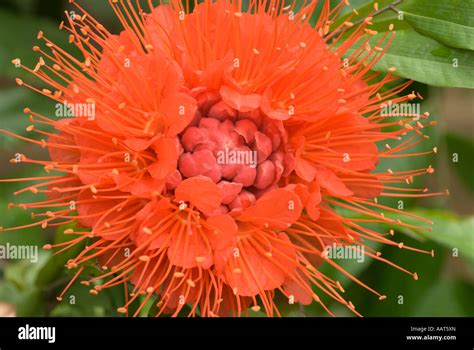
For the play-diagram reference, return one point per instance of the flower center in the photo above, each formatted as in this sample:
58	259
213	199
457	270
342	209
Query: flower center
242	152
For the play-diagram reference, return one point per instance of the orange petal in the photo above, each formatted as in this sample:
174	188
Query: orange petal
261	268
310	197
223	238
300	289
304	169
276	209
225	231
63	154
148	217
360	156
167	150
365	189
273	113
91	210
138	144
190	250
200	192
145	187
242	103
177	111
328	180
333	223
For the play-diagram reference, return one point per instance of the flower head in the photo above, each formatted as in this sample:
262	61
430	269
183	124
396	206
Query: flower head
222	145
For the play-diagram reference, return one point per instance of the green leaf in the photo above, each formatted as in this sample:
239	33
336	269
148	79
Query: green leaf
448	229
26	6
31	237
149	306
15	272
17	217
256	313
463	148
450	22
24	29
448	298
55	266
425	60
23	273
8	292
402	291
353	267
410	162
415	55
12	118
78	302
67	310
363	8
30	304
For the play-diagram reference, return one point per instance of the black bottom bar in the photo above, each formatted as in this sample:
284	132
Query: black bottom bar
59	333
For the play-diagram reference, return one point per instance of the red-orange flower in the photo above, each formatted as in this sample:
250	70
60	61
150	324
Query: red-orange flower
221	144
